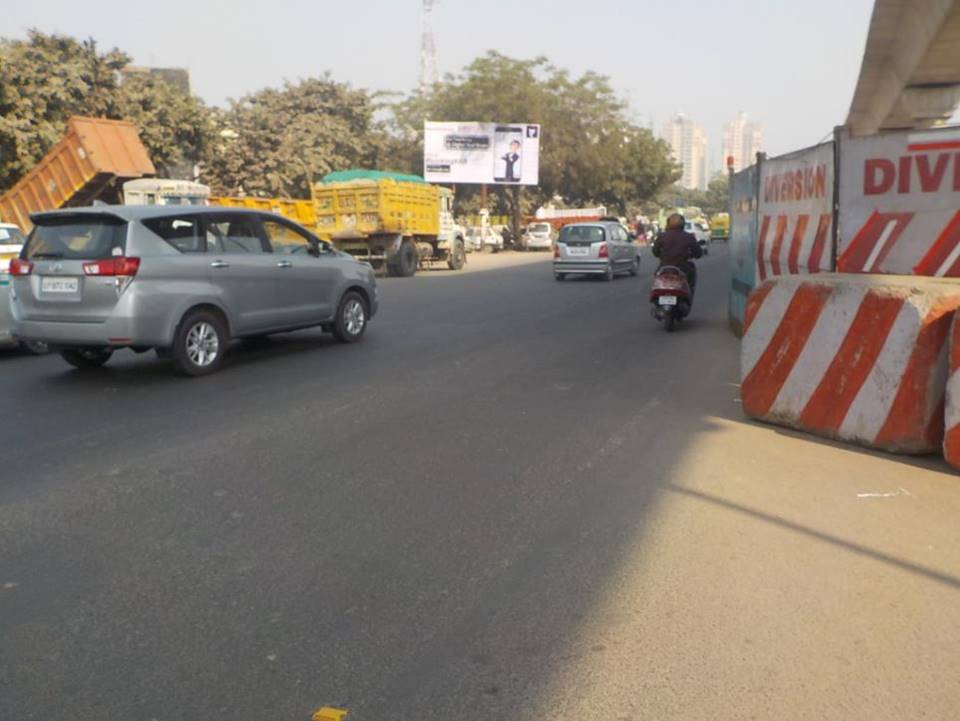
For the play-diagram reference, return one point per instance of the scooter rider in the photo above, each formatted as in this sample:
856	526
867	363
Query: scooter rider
678	248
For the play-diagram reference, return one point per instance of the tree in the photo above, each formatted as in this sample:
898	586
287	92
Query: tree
589	151
43	81
276	142
177	129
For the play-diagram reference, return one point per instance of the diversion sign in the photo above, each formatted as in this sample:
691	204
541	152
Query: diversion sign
484	153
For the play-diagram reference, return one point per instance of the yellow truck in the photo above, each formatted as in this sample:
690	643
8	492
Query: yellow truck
300	211
397	223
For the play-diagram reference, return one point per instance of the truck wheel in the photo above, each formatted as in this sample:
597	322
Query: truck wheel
200	343
407	260
458	256
351	320
86	358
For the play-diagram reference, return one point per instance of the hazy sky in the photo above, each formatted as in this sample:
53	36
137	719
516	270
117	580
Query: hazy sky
789	64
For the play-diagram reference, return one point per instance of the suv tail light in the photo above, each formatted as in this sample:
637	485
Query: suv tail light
113	266
604	251
18	266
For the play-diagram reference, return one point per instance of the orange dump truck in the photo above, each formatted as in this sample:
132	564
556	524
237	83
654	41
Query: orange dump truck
92	161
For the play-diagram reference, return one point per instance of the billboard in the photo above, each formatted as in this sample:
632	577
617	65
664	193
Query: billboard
795	234
743	242
484	153
900	203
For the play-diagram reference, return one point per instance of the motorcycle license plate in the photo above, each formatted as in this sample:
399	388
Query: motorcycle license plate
667	300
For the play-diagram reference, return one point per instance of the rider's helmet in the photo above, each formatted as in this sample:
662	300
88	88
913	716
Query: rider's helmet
675	221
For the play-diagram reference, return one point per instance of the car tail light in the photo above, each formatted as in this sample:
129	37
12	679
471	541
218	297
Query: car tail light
120	266
604	251
556	251
19	266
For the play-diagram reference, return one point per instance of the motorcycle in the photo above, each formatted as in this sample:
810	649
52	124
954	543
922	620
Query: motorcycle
670	296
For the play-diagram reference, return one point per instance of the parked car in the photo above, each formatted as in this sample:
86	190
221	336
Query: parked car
600	248
183	280
484	238
538	236
11	244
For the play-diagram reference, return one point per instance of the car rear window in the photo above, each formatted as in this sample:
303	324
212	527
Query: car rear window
182	232
581	234
11	236
76	238
540	228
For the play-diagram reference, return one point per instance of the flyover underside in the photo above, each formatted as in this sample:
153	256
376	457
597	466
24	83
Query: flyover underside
910	77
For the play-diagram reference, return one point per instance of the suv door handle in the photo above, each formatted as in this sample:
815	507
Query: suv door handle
284	264
219	264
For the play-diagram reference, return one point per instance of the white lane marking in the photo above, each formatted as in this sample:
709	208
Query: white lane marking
888	494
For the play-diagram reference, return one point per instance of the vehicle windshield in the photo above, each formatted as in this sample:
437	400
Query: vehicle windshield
582	234
11	236
540	228
73	238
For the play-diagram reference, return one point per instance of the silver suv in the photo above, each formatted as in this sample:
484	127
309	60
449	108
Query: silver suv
181	279
600	248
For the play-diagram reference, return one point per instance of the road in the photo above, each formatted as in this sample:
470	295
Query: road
516	498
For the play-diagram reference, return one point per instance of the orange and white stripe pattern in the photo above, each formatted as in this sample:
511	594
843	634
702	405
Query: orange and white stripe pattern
793	244
856	358
951	440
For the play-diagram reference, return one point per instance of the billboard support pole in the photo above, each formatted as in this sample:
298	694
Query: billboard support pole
483	196
516	213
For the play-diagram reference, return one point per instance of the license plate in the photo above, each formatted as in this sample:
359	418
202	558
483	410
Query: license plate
59	285
578	251
667	300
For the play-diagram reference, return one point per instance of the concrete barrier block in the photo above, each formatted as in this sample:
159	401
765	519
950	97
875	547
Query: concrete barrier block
951	440
854	358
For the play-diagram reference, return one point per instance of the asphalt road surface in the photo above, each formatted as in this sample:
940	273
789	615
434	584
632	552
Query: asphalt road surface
516	499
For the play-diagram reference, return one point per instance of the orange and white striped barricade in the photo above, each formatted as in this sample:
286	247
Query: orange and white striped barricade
855	358
951	440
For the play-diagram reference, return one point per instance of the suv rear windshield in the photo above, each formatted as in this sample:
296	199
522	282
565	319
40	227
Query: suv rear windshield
581	234
76	238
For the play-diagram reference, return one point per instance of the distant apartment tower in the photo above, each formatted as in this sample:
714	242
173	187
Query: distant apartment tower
742	140
689	145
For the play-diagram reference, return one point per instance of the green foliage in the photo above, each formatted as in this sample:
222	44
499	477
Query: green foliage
712	200
43	81
589	151
277	141
177	129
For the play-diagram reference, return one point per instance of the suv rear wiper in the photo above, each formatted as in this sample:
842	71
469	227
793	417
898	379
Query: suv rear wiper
46	256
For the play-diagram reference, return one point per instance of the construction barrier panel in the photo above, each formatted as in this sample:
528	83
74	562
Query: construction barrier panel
854	358
951	440
796	213
900	203
743	243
